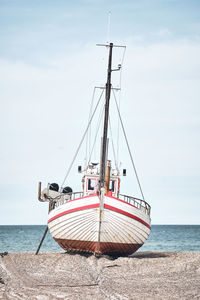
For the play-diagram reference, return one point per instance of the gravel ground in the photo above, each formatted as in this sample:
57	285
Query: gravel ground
144	275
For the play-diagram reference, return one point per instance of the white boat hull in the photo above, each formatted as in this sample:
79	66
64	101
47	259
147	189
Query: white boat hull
121	229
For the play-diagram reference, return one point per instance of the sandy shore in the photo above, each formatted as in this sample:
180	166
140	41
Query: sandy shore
145	275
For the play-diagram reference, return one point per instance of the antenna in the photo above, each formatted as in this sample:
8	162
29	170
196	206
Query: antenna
108	28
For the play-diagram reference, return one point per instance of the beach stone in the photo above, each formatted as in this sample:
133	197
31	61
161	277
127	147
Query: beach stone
63	276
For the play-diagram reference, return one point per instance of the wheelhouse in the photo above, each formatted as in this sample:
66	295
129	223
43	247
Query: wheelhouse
90	185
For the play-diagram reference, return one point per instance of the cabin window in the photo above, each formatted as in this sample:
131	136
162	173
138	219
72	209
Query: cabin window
112	185
91	184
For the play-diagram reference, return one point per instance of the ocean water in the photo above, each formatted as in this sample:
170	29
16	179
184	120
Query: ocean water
162	238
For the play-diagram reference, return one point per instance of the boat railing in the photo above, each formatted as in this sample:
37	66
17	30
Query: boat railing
63	198
139	203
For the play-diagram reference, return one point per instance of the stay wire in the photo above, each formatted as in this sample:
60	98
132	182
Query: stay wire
120	80
69	169
108	27
97	131
123	129
88	137
112	144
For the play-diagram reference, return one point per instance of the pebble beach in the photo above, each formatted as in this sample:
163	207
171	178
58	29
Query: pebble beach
60	275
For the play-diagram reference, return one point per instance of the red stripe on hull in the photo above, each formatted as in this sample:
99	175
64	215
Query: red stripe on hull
73	210
105	206
126	214
105	248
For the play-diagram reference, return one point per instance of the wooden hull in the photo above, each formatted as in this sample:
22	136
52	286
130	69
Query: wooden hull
114	249
120	229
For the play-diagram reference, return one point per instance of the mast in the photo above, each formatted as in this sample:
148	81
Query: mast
106	116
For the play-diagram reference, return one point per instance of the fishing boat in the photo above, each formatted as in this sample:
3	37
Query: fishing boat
98	219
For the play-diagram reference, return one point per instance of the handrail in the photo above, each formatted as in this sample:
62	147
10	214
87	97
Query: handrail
63	198
138	203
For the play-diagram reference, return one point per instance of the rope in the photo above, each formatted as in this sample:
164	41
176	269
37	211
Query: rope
108	28
113	144
97	130
120	80
89	133
128	148
69	169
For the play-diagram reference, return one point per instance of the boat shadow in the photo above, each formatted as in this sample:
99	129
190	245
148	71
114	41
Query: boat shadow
149	254
138	255
84	254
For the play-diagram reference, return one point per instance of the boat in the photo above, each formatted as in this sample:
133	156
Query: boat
98	219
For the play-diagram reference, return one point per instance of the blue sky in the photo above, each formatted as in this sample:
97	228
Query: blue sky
49	64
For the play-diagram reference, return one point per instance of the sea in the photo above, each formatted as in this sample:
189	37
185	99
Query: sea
15	238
